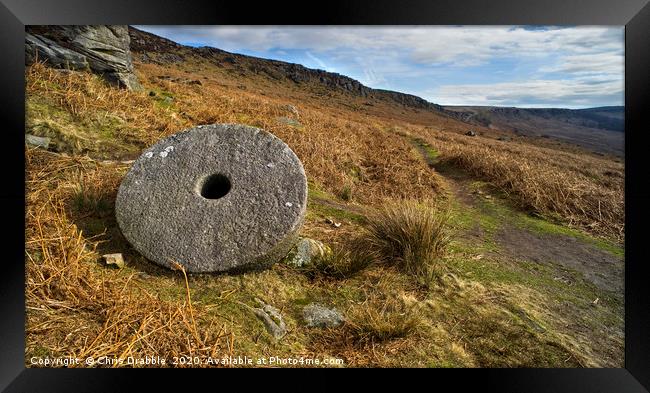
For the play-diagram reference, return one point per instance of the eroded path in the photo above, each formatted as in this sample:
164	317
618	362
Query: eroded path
524	237
579	277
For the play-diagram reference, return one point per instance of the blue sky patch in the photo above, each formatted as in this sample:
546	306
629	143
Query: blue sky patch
523	66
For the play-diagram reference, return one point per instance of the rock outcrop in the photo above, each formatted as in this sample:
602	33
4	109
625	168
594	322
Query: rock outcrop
104	50
41	48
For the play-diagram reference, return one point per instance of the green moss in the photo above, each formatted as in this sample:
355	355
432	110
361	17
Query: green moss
97	133
325	211
163	99
499	209
302	301
543	226
426	151
41	352
430	153
323	204
314	191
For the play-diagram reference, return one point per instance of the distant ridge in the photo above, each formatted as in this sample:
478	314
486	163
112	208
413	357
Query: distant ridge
605	118
599	129
153	48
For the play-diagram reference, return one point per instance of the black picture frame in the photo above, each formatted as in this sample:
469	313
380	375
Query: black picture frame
634	14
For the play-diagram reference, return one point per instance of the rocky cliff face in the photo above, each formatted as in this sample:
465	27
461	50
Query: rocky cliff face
150	48
104	50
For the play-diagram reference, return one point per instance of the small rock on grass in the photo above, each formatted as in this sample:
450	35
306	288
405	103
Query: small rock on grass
333	223
114	260
38	141
292	109
317	315
271	318
306	251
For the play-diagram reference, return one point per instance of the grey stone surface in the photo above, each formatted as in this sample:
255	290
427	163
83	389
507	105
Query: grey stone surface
161	212
43	49
38	141
317	315
292	109
306	251
102	48
271	318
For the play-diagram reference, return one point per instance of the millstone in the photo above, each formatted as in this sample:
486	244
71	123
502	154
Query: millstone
214	198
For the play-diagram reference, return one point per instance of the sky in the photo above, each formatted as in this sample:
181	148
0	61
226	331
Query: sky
521	66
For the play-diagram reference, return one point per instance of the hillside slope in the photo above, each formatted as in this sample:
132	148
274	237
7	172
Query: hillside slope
588	128
598	129
152	48
531	274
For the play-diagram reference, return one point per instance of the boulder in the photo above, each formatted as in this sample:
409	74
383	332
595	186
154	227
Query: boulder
103	49
215	198
316	315
470	133
43	49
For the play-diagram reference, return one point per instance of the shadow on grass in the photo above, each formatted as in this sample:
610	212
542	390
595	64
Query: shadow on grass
94	215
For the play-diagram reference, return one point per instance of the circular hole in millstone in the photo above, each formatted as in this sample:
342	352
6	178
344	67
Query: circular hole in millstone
215	186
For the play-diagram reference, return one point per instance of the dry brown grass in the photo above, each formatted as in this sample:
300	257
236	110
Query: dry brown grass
410	234
582	190
382	319
383	324
75	307
340	151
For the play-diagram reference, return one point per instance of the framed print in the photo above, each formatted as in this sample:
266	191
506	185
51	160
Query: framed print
450	186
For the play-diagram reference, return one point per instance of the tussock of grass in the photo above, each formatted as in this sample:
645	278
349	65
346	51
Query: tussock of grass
382	319
341	263
380	314
410	234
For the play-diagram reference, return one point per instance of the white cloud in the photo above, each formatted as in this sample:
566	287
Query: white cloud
425	44
318	61
606	63
576	63
541	92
